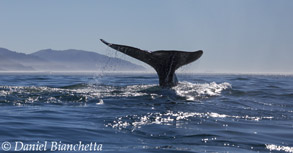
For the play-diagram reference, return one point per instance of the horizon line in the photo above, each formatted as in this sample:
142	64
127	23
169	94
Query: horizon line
143	72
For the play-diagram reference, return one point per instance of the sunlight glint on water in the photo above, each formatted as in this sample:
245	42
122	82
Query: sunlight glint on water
204	113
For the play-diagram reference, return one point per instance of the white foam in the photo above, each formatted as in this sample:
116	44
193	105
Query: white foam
273	147
192	91
101	102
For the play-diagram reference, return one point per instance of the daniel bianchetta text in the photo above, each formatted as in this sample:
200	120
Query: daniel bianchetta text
51	146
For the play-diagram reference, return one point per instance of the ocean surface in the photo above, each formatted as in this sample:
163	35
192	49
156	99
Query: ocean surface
130	113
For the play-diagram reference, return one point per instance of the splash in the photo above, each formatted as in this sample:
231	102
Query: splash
194	90
94	92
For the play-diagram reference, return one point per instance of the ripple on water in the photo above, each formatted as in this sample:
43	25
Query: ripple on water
172	118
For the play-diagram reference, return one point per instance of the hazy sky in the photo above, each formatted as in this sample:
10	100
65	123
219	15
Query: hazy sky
235	35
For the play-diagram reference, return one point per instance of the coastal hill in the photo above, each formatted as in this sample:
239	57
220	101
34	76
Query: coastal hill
65	60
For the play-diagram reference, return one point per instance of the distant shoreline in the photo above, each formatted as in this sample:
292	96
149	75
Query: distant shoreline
131	72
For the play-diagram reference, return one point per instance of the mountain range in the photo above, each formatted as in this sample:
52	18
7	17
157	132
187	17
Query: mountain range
65	60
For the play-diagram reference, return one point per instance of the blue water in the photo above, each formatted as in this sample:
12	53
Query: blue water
130	113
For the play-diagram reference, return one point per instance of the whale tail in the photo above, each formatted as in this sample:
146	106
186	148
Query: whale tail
165	62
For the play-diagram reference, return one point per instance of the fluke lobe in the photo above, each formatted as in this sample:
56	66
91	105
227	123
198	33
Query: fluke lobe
165	62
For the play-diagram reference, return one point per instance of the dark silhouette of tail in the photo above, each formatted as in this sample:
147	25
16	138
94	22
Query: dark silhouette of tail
165	62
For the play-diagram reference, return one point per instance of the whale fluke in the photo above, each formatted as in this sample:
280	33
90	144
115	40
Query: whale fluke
165	62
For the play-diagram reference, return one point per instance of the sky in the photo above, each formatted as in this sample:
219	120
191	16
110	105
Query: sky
237	36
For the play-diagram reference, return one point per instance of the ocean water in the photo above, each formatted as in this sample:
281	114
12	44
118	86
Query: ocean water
129	113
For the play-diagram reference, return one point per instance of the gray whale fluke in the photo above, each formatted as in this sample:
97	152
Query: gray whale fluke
165	62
